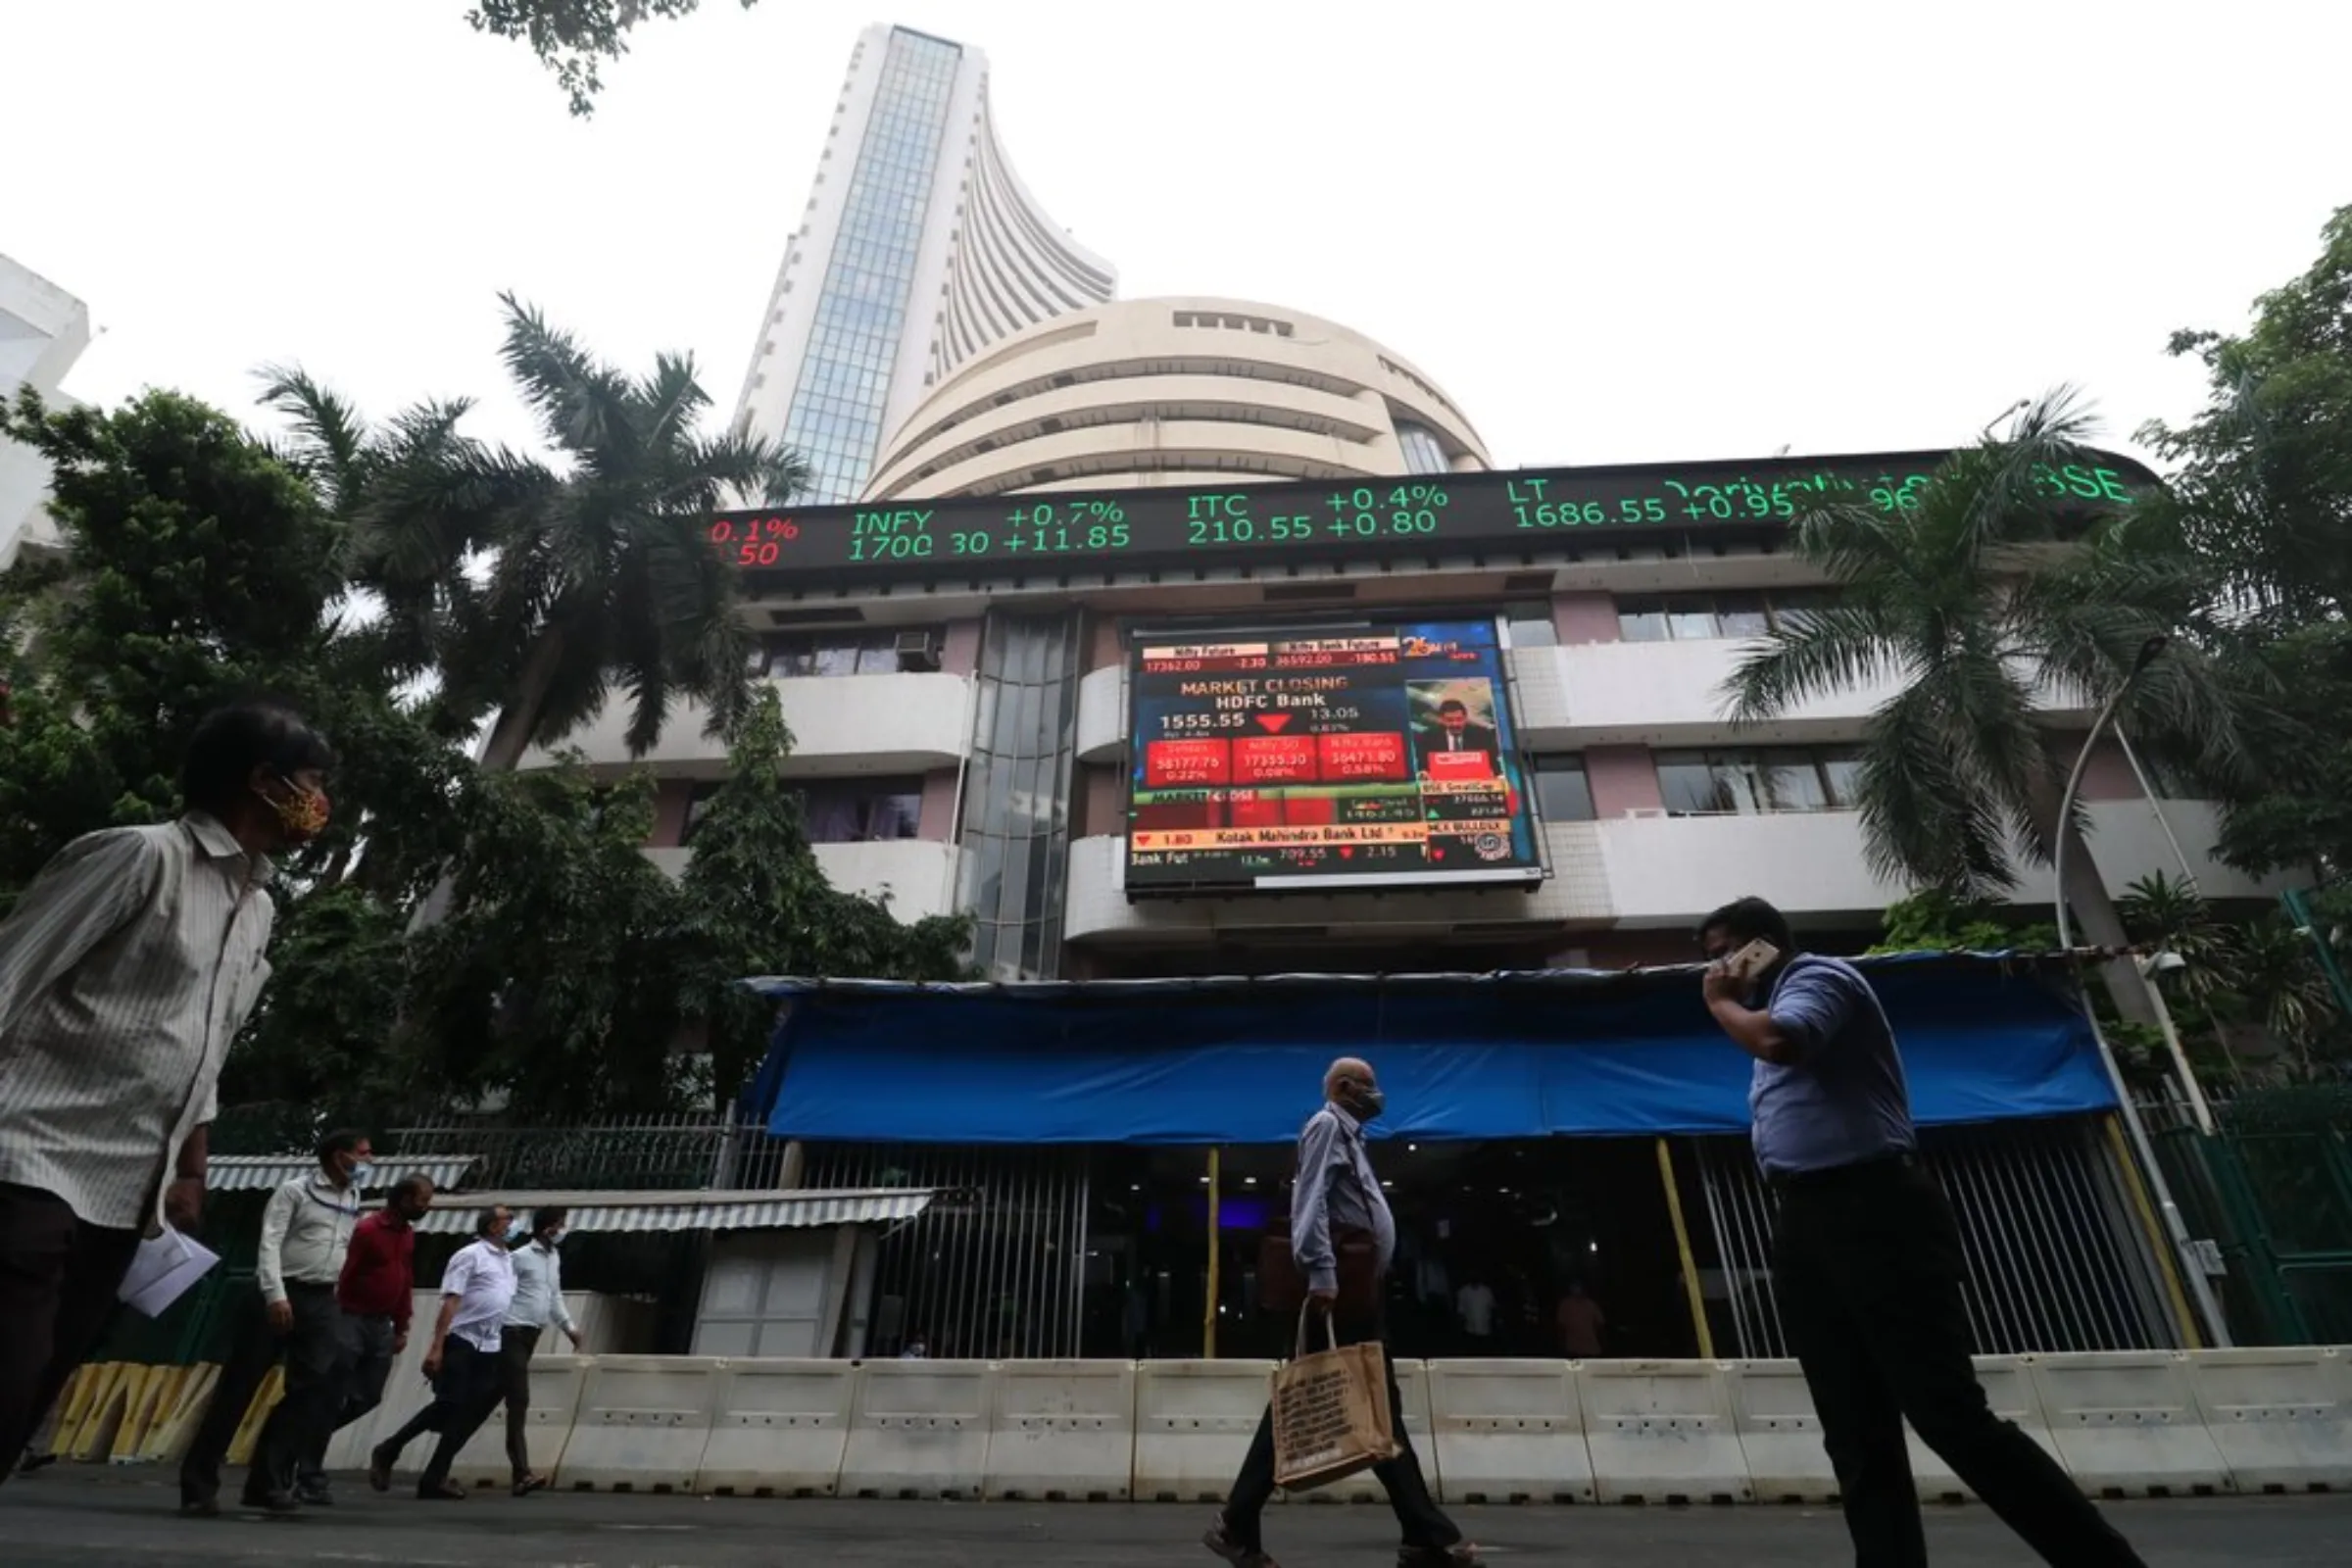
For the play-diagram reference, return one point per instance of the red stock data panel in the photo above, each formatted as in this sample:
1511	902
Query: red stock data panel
1368	755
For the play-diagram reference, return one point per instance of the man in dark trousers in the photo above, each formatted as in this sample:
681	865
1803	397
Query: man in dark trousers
1343	1239
290	1317
126	970
376	1294
1867	1264
462	1360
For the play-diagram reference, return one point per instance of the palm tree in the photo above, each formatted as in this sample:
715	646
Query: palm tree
1989	602
531	588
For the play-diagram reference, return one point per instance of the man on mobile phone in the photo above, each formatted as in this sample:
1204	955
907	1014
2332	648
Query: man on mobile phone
1867	1265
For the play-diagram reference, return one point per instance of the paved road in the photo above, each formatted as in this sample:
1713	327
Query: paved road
87	1518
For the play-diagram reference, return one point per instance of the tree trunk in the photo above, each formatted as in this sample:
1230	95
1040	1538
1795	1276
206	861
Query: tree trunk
2095	920
503	752
519	715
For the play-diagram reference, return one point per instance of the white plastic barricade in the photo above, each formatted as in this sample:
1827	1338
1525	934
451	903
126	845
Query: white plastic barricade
642	1423
2008	1383
2125	1423
1661	1432
1412	1387
1064	1431
2282	1417
782	1428
556	1383
1780	1433
1193	1425
1507	1432
918	1429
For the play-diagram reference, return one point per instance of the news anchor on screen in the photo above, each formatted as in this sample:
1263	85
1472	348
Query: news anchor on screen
1452	732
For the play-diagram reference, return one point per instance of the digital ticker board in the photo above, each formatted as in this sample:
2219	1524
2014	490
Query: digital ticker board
1374	755
1509	512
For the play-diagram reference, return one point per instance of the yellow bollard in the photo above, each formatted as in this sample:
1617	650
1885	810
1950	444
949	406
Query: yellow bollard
173	1435
240	1451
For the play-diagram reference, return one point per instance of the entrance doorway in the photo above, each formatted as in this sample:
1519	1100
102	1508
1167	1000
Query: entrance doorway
1489	1238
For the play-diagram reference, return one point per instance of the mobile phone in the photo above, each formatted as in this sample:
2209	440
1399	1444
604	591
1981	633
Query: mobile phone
1753	961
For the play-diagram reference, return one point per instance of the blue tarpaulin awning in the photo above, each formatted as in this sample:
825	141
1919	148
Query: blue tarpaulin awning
1985	1037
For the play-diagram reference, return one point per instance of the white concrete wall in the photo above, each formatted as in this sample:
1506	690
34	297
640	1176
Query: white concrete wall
1639	871
918	876
43	330
841	725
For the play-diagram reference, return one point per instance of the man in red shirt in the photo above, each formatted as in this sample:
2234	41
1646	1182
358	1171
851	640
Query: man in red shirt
375	1293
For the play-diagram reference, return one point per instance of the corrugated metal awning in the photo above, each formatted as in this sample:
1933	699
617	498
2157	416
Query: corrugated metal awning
674	1210
253	1173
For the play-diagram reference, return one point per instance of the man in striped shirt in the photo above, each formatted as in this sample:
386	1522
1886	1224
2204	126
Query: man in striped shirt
126	970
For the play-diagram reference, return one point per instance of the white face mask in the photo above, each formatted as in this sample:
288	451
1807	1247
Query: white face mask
363	1174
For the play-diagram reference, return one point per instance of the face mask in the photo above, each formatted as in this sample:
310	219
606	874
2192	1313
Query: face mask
361	1174
555	1238
1368	1103
518	1235
302	814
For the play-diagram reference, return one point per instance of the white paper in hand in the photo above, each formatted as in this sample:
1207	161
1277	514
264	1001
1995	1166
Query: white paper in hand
163	1270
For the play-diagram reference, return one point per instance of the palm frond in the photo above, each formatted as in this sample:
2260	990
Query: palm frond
1826	652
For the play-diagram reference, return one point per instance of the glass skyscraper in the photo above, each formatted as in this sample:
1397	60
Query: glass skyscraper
926	252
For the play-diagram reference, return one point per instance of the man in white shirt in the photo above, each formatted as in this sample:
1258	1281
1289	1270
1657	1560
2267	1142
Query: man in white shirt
1474	1306
126	970
292	1318
462	1361
538	1306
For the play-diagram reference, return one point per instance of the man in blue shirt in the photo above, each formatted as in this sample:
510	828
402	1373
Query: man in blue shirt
1867	1263
1343	1239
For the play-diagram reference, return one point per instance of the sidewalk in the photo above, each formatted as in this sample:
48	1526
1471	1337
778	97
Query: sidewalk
86	1517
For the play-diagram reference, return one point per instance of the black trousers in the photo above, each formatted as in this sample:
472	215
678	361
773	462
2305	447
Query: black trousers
312	1352
515	1347
1418	1516
467	1390
58	1278
359	1377
1868	1268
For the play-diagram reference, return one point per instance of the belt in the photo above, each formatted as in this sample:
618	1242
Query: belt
1861	1171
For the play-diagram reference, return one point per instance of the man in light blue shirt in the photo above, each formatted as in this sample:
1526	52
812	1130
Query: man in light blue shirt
538	1306
1343	1239
1867	1262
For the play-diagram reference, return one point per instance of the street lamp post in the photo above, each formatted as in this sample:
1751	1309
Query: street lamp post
2208	1306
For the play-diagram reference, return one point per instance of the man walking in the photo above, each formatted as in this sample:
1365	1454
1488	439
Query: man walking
1867	1264
291	1317
1343	1239
461	1362
374	1293
538	1306
126	970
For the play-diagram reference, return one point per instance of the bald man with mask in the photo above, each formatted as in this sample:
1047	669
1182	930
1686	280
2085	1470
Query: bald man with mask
1343	1238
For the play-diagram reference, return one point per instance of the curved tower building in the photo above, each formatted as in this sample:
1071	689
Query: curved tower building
918	249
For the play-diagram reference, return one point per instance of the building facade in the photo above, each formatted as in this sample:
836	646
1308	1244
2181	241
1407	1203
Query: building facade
43	330
961	655
918	248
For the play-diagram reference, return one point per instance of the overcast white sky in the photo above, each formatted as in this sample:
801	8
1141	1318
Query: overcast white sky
1613	231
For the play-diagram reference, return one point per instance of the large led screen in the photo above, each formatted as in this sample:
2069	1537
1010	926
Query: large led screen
1377	755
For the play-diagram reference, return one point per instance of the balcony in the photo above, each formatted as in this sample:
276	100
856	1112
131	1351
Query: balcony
1632	871
1098	908
916	875
1671	694
841	725
1666	871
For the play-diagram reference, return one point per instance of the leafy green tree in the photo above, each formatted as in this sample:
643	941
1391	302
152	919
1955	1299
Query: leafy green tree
2263	496
536	588
1984	601
760	904
552	984
572	37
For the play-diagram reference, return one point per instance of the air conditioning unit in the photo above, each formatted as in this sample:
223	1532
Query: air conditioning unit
919	650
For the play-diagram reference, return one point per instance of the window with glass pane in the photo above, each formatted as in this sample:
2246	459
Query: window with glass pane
698	806
1690	785
1792	605
1531	625
1689	617
1841	771
1740	615
1640	621
1790	781
1563	791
